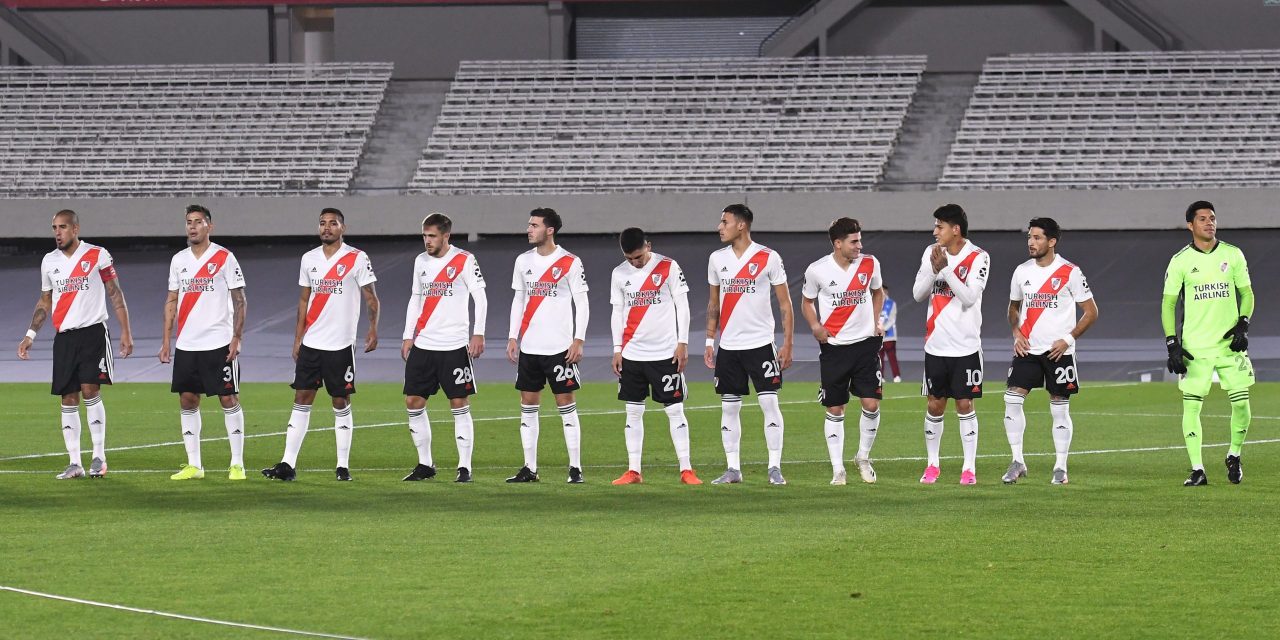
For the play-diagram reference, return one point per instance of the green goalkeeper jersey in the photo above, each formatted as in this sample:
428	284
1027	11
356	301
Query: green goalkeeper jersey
1209	283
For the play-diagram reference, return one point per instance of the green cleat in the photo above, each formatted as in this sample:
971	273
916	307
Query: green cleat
236	472
188	472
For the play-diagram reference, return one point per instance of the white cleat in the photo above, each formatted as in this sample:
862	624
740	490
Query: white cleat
840	478
1059	476
1016	470
865	470
73	471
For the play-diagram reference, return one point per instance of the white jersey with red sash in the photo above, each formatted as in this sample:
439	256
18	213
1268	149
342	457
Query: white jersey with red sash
746	284
952	329
647	298
1049	296
204	285
844	297
438	307
78	285
333	309
547	284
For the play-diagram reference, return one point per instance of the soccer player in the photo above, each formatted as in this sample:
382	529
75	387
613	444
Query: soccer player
206	296
741	276
650	325
1212	278
438	348
1043	296
333	278
889	348
549	316
953	272
842	299
76	278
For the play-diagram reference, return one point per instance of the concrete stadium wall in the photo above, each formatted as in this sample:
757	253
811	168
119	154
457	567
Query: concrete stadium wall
161	36
666	213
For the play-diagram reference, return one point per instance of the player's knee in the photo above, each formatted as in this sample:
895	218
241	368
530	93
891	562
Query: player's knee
836	411
341	402
90	391
1241	409
189	401
229	402
71	399
564	399
768	402
454	403
963	405
870	405
414	403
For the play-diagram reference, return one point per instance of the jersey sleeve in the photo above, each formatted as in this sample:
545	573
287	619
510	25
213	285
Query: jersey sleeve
712	278
777	273
876	279
676	281
1079	285
1173	278
577	277
231	273
517	281
303	281
1241	272
1015	287
471	275
364	274
106	265
174	283
811	284
46	284
616	294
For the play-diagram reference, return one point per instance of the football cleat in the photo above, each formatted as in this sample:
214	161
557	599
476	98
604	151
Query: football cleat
342	474
575	476
931	474
968	477
283	471
97	468
1234	473
464	475
1060	476
421	472
775	476
630	477
689	477
188	472
72	471
236	472
840	478
1016	470
865	470
730	476
897	378
524	475
1196	479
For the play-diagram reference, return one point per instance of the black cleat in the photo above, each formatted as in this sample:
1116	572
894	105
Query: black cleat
1196	479
420	472
282	471
523	475
342	474
1234	472
575	475
464	475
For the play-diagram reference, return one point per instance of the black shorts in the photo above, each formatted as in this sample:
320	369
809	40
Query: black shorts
336	370
953	377
656	378
534	372
735	368
81	356
1059	378
426	372
850	368
206	372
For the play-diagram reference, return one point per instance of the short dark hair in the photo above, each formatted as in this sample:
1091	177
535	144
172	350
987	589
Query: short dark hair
842	227
75	217
953	214
549	218
741	212
341	218
195	208
631	239
440	221
1196	206
1048	225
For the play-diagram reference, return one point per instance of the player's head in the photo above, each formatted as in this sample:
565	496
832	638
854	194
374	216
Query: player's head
199	224
66	229
735	220
1202	220
635	246
1042	237
332	225
436	228
949	223
846	238
544	225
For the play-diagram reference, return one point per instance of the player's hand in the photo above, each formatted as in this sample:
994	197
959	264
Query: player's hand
574	355
938	258
233	350
126	345
476	346
1176	355
23	347
405	347
1021	346
709	357
1239	335
297	346
1059	348
513	351
371	341
820	333
164	356
682	357
880	328
617	364
784	357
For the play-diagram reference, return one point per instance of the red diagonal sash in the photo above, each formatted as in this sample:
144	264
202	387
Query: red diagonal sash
730	300
318	300
190	298
938	303
429	303
1033	314
840	315
560	266
90	258
651	283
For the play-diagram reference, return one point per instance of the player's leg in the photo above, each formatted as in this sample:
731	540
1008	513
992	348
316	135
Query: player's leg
530	379
191	424
667	387
1195	386
1061	381
564	380
65	384
71	427
339	372
633	389
833	394
891	354
96	369
464	434
458	381
343	425
867	383
420	382
936	384
766	376
966	384
307	379
731	384
233	421
1236	373
1025	374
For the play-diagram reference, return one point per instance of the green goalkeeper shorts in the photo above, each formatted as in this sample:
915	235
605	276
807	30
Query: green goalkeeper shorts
1234	372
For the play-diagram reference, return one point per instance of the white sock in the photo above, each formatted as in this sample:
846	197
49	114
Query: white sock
299	420
969	440
933	427
464	433
572	433
773	426
96	414
634	433
529	435
343	425
679	433
868	427
191	424
833	428
233	418
1015	423
71	431
420	433
731	429
1060	410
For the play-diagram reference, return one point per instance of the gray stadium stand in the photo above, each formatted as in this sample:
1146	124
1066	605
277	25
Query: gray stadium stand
279	129
772	124
1122	120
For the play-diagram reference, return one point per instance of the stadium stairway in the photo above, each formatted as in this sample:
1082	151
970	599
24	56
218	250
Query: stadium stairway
936	112
404	122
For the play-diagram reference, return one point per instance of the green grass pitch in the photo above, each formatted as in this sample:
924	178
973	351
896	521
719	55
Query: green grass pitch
1124	550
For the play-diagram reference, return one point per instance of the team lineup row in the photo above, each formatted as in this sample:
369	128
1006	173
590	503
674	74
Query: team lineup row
843	303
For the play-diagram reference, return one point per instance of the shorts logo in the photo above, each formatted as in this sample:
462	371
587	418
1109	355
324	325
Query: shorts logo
657	279
1224	266
213	268
752	269
1056	283
556	272
84	265
342	268
449	272
862	279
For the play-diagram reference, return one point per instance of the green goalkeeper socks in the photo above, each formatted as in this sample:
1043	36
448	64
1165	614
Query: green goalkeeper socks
1240	418
1191	406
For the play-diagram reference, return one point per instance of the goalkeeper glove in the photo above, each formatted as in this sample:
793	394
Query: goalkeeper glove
1176	354
1239	335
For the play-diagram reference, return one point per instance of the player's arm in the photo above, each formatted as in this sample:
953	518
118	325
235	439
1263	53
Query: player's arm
239	310
616	329
1173	284
480	299
968	292
682	330
411	312
513	335
809	311
923	286
1090	315
370	294
41	313
713	324
300	328
788	324
1020	342
166	338
121	308
877	305
581	314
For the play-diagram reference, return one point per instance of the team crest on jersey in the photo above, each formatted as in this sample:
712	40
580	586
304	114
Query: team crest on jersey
962	271
84	265
450	271
1055	283
752	268
657	279
862	279
213	268
342	268
556	272
1224	267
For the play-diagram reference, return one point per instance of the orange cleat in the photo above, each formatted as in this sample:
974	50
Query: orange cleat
630	477
689	477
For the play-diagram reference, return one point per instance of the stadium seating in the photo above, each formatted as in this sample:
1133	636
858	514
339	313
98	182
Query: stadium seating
280	129
1121	120
668	124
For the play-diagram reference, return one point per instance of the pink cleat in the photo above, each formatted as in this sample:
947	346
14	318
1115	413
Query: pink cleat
930	475
968	477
